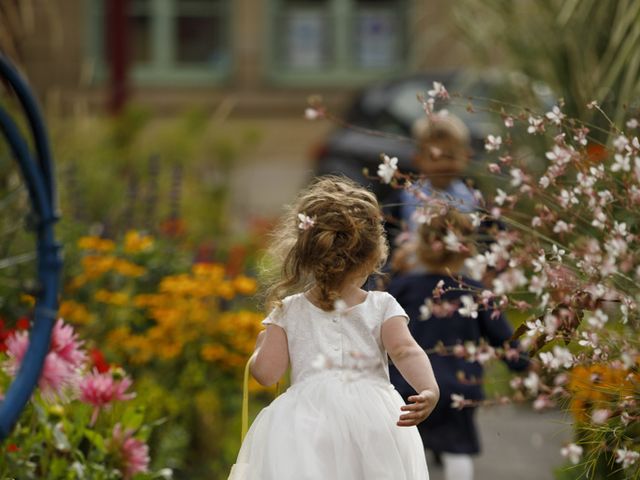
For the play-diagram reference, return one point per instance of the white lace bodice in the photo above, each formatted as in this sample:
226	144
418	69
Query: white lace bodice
346	341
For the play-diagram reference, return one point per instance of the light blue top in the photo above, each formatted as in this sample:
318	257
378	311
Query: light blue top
457	194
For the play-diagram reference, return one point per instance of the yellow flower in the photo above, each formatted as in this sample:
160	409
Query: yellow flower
75	312
77	282
213	352
96	243
225	290
597	386
96	265
213	271
28	299
147	300
128	269
135	242
169	350
244	285
114	298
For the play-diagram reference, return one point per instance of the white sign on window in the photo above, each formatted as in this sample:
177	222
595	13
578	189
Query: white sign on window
306	37
377	39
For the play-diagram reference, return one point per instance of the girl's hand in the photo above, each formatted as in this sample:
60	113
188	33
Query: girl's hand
419	409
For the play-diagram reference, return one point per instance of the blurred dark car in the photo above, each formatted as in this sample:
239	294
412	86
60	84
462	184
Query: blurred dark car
390	107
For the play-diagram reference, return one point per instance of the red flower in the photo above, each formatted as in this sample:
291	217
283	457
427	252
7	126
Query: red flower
12	447
23	323
98	361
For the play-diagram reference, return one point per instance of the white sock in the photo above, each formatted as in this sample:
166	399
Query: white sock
457	466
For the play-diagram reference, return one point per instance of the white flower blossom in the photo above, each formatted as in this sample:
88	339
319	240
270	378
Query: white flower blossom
632	123
581	136
573	452
438	91
476	266
339	305
620	143
492	143
469	308
621	163
320	362
457	401
387	169
539	263
532	383
536	124
567	198
561	227
517	177
557	253
508	122
599	219
452	242
560	155
426	309
305	222
501	197
626	457
476	219
311	113
544	182
555	115
537	284
598	319
557	358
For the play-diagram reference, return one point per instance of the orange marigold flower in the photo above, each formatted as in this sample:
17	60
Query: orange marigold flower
113	298
213	352
96	265
135	242
245	285
225	290
128	269
75	312
214	271
96	243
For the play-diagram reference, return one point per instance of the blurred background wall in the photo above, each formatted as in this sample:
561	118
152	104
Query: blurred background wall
252	63
259	56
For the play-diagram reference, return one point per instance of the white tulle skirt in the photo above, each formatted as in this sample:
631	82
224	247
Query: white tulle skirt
332	428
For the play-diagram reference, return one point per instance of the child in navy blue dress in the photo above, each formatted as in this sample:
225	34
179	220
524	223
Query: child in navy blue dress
446	325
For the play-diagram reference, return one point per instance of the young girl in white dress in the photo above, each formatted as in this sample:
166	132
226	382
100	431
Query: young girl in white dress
340	419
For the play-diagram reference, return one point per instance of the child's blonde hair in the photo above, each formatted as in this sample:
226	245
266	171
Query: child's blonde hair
439	127
334	229
432	249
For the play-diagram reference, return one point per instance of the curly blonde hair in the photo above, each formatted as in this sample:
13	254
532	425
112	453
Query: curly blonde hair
432	250
333	230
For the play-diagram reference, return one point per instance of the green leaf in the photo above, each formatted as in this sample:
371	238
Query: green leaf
133	418
96	439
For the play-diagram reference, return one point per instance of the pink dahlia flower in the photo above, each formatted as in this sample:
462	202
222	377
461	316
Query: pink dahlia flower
65	343
102	389
133	453
58	374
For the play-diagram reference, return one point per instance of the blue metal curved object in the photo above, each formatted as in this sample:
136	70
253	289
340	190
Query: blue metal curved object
38	177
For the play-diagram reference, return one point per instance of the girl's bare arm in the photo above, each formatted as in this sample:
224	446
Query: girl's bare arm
270	358
413	363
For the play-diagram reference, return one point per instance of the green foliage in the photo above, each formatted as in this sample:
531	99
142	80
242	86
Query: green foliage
135	171
583	49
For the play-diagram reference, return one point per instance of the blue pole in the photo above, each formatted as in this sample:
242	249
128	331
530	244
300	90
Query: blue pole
39	180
